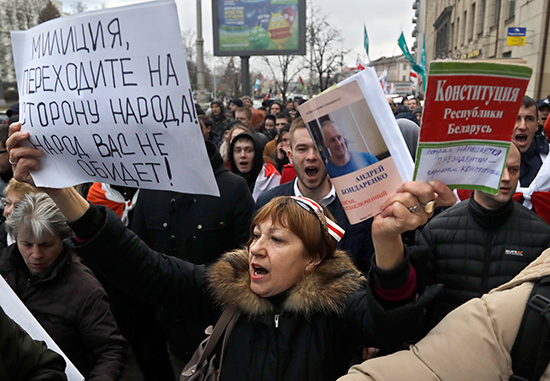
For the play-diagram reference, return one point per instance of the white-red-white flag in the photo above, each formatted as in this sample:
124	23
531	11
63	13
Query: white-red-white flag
414	79
383	83
360	65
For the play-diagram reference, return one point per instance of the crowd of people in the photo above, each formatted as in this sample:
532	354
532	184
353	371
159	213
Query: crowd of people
105	268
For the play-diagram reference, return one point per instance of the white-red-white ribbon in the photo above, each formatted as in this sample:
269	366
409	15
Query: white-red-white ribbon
332	227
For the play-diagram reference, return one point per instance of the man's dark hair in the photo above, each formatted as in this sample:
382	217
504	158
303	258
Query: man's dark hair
271	117
208	121
4	133
284	115
299	100
529	102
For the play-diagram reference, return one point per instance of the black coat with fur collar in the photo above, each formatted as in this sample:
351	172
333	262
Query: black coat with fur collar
306	334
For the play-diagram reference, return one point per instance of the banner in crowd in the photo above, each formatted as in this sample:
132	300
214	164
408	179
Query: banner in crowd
106	96
19	313
468	120
360	143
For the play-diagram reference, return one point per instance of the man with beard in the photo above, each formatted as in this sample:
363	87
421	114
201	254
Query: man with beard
312	181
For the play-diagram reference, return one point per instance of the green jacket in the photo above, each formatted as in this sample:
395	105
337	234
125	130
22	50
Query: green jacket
22	358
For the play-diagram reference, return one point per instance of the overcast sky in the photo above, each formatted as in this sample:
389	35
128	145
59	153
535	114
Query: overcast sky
384	20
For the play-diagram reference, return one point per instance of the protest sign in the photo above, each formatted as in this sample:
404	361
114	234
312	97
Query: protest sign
106	96
359	142
468	121
19	313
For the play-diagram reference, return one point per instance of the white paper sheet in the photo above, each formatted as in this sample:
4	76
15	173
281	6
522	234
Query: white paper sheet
18	312
106	95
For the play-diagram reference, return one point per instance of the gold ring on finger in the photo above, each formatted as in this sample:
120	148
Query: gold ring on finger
429	207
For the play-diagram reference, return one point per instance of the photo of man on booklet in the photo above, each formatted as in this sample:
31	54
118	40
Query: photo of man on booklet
360	144
348	139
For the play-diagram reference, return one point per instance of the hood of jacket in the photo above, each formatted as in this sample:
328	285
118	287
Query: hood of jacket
537	269
323	290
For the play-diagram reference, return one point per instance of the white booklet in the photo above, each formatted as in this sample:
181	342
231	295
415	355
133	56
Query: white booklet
360	143
18	312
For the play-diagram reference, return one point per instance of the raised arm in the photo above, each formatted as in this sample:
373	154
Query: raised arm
25	159
114	251
410	207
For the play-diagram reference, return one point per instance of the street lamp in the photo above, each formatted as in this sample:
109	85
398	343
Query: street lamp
201	89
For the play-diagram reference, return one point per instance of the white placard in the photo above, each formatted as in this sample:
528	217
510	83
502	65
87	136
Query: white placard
106	96
18	312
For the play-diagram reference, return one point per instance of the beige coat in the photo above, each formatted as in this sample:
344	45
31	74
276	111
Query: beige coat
472	343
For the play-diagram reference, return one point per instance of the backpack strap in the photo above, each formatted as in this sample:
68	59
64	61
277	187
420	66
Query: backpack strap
531	351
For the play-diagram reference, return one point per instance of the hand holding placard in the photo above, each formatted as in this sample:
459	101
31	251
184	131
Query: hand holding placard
106	96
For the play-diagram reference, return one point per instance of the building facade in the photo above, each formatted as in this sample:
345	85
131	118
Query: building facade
398	71
479	29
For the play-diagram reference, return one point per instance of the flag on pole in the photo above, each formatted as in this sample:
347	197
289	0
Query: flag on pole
414	79
302	84
392	88
360	65
405	49
420	69
366	40
383	82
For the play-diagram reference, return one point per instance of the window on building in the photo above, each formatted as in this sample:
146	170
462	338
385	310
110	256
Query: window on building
457	29
482	7
404	66
464	27
507	54
404	78
512	9
496	13
444	38
471	22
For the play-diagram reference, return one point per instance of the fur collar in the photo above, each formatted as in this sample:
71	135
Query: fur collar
323	290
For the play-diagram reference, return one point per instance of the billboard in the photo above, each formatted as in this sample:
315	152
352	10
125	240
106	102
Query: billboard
259	27
403	88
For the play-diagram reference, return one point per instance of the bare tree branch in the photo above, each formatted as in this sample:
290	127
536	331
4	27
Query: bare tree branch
325	51
282	71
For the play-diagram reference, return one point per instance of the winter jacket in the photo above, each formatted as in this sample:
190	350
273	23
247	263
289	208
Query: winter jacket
304	334
471	250
357	241
472	343
193	227
196	228
69	302
24	359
